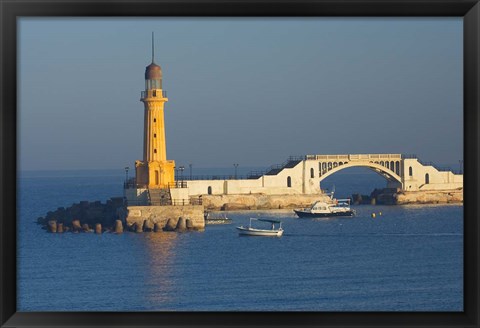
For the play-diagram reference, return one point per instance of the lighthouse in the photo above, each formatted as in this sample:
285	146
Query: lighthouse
154	170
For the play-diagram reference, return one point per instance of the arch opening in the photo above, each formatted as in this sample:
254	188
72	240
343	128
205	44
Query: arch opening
387	172
353	180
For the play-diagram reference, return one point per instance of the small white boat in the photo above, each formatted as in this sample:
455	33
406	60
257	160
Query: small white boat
216	219
250	231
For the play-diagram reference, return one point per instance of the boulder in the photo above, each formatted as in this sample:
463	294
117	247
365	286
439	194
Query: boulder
181	225
170	226
189	224
52	226
131	227
148	225
98	228
157	227
60	227
86	228
138	227
76	225
118	226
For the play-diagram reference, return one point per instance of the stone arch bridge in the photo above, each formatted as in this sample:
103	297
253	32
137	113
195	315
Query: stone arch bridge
405	172
304	174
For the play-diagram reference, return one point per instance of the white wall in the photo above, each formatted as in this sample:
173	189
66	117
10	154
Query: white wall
301	183
437	179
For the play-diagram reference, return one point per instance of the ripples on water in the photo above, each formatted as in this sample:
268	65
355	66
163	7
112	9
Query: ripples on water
408	259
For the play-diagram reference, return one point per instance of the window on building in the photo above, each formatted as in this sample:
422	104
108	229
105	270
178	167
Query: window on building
312	173
154	120
410	171
209	190
155	151
154	135
289	182
427	178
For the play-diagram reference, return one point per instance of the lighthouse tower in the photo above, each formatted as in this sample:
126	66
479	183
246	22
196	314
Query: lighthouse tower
154	171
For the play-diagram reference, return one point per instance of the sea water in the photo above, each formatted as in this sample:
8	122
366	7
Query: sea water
409	258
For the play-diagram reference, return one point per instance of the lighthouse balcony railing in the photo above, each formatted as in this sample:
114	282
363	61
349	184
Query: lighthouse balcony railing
154	94
211	177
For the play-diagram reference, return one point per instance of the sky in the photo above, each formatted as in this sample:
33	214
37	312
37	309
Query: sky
251	91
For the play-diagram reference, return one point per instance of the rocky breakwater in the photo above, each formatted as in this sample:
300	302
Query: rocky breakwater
113	216
398	197
430	197
259	201
85	216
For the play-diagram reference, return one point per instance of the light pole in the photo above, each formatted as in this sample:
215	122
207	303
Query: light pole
126	174
236	165
181	174
190	165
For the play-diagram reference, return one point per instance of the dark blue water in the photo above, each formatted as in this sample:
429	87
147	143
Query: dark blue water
408	259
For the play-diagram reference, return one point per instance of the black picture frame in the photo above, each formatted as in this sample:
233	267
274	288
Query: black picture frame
11	10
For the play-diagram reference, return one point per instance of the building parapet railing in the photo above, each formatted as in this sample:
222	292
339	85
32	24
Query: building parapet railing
441	168
438	168
132	184
213	177
251	175
178	184
277	167
154	94
165	202
353	156
176	202
184	202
